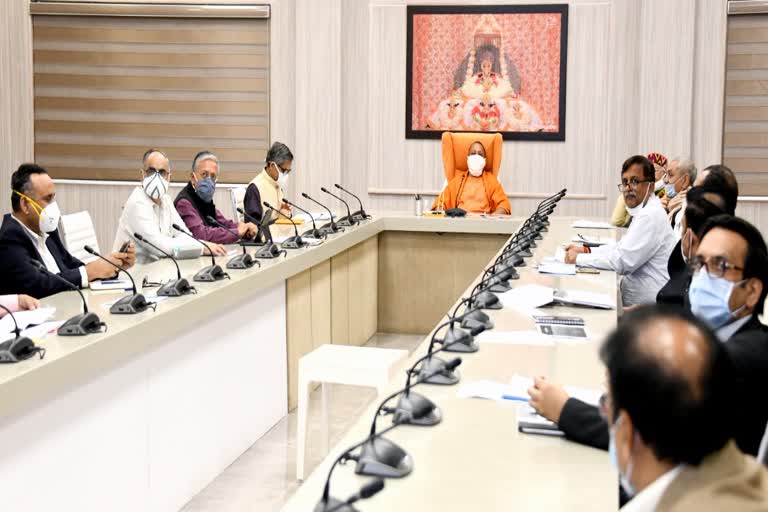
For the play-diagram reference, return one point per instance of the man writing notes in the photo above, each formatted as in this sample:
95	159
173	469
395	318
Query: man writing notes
195	205
475	190
149	212
642	254
30	234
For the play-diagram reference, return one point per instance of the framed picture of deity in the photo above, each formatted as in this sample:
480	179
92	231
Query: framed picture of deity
487	68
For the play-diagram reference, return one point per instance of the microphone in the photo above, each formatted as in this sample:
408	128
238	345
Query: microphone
294	242
370	489
344	221
314	232
240	261
20	347
174	288
78	325
260	235
331	226
212	272
269	248
130	304
360	214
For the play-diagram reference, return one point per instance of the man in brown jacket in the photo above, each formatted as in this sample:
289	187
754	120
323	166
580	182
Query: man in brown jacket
667	407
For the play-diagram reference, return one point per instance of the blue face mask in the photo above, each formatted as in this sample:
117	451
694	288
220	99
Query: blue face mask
623	480
205	189
669	190
709	298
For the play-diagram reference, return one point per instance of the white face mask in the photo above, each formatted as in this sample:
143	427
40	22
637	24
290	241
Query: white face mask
634	211
49	218
155	186
282	179
475	164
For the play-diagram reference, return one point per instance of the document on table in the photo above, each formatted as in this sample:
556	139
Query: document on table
487	389
26	318
514	338
527	298
590	224
318	216
594	240
307	240
557	268
519	385
582	298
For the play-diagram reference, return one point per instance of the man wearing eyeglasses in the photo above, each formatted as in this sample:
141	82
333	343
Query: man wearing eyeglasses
642	254
269	185
149	212
197	209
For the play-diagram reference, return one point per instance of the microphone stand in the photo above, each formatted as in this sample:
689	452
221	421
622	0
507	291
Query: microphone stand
347	221
20	347
129	304
269	248
177	287
295	242
312	233
370	489
79	325
212	272
359	215
330	227
240	261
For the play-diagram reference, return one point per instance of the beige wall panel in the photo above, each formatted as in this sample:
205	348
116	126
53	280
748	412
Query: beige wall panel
202	84
321	304
340	299
422	274
130	35
151	129
298	293
156	106
363	293
166	60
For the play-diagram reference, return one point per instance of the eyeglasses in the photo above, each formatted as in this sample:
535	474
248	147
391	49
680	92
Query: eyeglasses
151	171
633	184
716	267
207	175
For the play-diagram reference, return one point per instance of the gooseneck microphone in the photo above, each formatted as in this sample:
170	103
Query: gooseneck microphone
241	261
212	272
360	214
130	304
344	221
20	347
269	248
174	288
366	491
295	242
312	233
79	325
435	365
331	226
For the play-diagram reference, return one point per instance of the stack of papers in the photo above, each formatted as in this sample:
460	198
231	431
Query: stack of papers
590	224
25	319
318	216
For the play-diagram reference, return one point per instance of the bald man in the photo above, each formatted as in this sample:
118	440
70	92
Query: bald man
149	212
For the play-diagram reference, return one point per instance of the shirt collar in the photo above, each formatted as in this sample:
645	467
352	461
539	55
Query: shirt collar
648	499
728	330
269	179
38	239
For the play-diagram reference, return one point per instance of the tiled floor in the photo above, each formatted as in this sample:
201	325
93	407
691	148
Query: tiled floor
263	478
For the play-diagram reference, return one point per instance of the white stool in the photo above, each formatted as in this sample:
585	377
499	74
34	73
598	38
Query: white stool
339	364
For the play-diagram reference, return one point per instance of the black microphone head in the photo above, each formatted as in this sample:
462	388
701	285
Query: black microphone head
324	190
138	237
371	488
210	219
286	201
240	210
176	227
89	249
337	186
453	363
268	205
304	195
477	330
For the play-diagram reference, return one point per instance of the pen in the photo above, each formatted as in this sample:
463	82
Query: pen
515	398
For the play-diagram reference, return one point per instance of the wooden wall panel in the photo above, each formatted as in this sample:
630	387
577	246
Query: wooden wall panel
340	299
298	296
363	291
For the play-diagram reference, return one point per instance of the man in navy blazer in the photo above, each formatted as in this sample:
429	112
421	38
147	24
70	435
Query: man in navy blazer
31	234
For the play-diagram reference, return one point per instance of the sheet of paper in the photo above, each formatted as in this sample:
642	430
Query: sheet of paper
591	224
584	298
519	385
598	240
563	269
42	330
527	298
112	284
487	389
26	318
307	240
560	254
514	338
318	216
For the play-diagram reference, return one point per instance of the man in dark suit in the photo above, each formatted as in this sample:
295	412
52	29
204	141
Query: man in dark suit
727	292
31	234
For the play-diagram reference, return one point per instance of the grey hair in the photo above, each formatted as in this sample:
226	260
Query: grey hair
148	152
202	157
279	153
687	166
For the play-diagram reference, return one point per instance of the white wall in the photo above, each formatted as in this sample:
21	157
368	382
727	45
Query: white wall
643	75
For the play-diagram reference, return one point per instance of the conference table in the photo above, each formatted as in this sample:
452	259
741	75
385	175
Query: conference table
145	415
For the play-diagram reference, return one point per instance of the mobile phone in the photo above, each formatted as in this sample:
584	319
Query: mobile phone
124	246
587	270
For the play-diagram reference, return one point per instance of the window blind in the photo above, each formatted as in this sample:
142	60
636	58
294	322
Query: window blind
107	87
